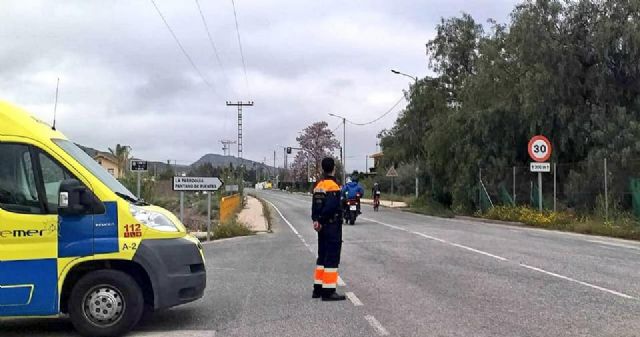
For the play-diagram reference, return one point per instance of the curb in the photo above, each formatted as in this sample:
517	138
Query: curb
484	220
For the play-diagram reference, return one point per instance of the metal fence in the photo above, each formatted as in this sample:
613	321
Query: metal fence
594	186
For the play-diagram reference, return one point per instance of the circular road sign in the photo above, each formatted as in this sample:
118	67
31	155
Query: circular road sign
539	148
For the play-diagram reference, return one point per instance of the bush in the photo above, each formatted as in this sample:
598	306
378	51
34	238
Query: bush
200	204
621	225
171	204
531	217
430	207
231	229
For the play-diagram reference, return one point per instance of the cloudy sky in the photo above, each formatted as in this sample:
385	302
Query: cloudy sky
124	79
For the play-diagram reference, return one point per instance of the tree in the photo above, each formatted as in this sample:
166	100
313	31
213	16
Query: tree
317	142
566	69
121	153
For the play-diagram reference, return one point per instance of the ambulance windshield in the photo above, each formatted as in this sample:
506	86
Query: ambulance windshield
98	171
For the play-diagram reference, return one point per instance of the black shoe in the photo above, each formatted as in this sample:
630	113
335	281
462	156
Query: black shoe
333	297
316	294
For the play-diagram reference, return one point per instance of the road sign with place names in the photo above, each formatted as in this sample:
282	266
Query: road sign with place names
540	167
392	172
196	183
231	188
138	165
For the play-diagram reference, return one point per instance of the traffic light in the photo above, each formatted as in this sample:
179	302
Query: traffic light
288	150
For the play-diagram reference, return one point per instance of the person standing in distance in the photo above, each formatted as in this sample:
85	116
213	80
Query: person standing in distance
326	214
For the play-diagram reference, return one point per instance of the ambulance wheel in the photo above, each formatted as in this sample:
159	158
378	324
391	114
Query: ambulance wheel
105	303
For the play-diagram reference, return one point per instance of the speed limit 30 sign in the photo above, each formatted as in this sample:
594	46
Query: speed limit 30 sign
539	148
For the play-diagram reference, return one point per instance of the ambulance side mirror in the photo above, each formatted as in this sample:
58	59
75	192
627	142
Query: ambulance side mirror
76	199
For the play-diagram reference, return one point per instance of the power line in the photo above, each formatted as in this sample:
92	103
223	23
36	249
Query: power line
213	45
244	64
175	37
379	117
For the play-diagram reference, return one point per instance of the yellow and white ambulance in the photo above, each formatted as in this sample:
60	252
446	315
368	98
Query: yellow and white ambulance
74	241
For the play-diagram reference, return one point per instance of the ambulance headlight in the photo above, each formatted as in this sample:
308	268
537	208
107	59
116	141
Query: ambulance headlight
155	220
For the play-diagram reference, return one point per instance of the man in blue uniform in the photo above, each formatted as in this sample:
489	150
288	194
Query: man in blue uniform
326	214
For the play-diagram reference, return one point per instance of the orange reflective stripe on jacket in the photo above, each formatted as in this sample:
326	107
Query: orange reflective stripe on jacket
327	185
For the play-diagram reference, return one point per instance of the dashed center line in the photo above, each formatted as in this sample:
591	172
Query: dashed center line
566	278
576	281
353	298
376	325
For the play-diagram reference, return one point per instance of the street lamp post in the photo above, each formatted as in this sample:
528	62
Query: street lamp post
415	79
344	147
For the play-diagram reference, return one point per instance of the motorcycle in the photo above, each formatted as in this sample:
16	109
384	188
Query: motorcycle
351	210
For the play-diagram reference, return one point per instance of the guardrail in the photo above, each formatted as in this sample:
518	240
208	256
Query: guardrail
228	207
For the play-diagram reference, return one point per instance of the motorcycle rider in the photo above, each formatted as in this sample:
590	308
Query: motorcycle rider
351	190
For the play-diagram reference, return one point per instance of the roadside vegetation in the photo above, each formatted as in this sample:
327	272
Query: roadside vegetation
621	225
552	69
231	229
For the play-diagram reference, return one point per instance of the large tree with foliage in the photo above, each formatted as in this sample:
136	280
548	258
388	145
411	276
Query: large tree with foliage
121	153
317	142
566	69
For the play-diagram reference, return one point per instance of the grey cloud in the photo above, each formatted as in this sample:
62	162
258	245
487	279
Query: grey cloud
124	80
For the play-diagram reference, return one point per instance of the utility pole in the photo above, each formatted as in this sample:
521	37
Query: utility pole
275	170
240	105
344	152
343	149
226	146
415	86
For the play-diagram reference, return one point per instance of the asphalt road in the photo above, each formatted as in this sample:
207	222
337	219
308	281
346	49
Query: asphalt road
406	275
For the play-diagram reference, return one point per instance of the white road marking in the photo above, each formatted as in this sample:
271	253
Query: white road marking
429	237
376	325
478	251
291	226
440	240
576	281
179	333
615	244
353	298
566	278
341	282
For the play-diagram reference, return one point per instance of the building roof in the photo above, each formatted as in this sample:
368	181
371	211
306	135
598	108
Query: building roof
106	155
377	155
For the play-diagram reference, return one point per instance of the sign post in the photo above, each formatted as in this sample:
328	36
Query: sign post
138	166
208	216
540	151
197	184
392	173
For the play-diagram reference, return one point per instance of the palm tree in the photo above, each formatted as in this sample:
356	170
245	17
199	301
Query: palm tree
121	153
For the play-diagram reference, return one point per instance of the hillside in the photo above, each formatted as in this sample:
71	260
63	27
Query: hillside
216	160
220	160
